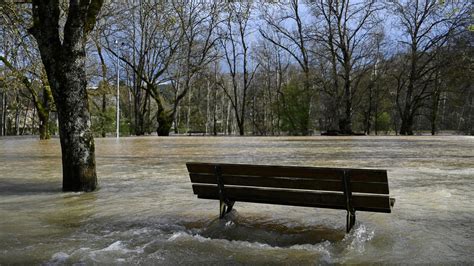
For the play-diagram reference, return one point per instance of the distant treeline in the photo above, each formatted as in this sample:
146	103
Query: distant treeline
255	68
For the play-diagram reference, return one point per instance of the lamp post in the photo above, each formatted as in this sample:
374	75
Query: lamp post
117	119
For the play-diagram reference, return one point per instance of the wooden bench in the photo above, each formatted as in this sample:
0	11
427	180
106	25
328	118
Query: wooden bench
196	132
335	188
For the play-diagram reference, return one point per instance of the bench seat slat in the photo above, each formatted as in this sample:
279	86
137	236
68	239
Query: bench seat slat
368	175
373	203
370	188
276	182
292	183
267	170
359	175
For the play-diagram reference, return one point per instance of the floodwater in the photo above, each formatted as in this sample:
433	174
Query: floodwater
145	211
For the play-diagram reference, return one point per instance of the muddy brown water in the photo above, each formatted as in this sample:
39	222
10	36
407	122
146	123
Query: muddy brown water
145	211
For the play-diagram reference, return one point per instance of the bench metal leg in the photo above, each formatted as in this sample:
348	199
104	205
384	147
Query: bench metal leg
225	208
222	209
350	220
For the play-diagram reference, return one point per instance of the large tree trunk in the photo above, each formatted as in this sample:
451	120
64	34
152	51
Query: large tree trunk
77	143
64	62
165	121
164	116
407	125
241	128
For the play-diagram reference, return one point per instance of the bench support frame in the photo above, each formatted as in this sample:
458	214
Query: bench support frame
205	177
225	205
351	216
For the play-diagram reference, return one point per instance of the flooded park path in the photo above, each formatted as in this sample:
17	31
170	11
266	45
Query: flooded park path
145	211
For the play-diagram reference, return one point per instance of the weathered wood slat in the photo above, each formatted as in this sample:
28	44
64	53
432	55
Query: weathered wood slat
370	188
267	170
368	175
359	175
276	182
373	203
293	183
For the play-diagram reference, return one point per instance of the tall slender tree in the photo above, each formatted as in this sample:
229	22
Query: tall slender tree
236	49
288	31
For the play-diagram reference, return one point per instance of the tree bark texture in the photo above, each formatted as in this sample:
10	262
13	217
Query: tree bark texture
165	122
3	115
407	124
64	61
43	117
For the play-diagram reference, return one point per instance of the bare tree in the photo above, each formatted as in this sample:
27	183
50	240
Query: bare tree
427	25
154	37
43	102
31	72
288	31
198	22
348	38
105	21
234	43
269	100
167	41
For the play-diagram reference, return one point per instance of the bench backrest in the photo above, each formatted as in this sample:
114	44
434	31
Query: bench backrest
367	189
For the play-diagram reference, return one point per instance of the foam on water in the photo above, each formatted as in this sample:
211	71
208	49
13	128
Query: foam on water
59	258
358	238
322	248
116	246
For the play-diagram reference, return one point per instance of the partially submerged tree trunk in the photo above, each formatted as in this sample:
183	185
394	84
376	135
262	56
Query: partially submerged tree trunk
64	61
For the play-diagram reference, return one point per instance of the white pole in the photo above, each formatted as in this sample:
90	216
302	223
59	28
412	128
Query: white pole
118	92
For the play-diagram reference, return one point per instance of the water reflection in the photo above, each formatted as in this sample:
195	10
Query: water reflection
145	211
242	228
71	210
12	188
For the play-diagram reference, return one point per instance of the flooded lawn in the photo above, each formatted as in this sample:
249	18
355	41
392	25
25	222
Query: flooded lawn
145	211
